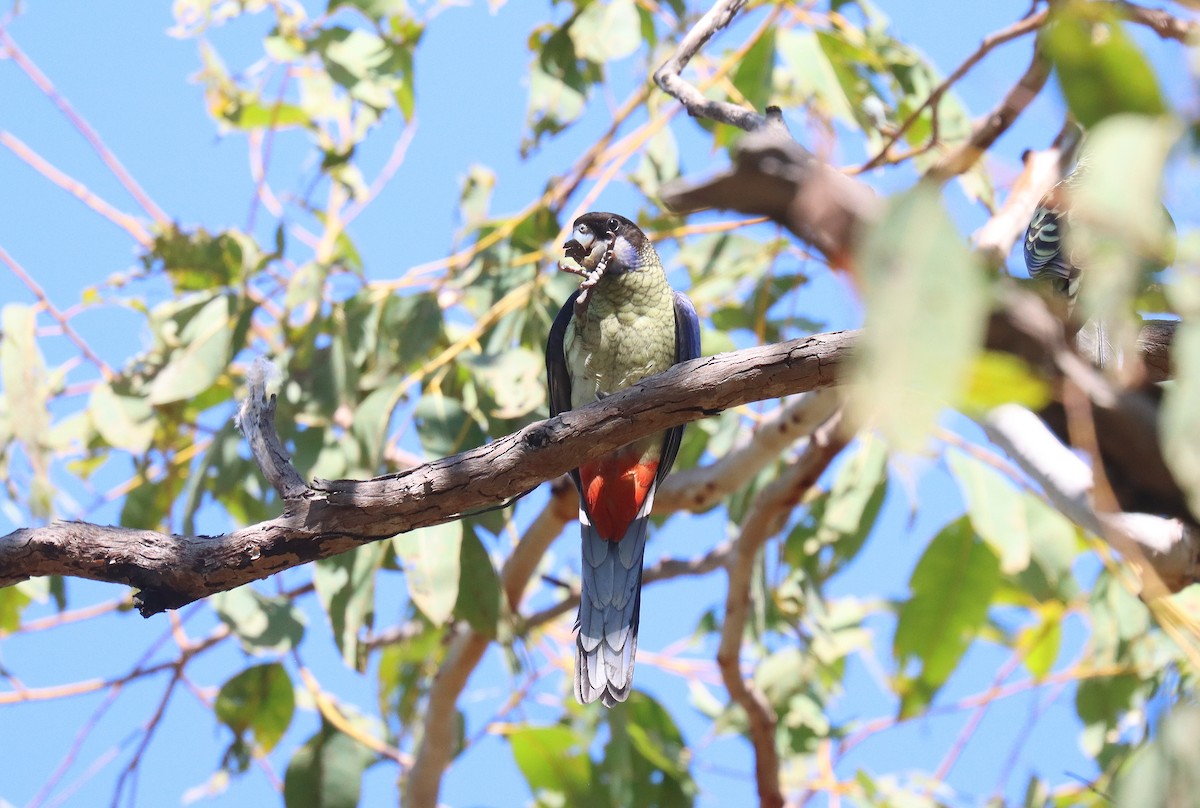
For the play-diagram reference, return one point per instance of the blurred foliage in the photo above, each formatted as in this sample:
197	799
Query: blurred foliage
378	375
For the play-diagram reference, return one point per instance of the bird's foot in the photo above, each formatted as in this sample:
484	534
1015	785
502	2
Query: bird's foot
590	279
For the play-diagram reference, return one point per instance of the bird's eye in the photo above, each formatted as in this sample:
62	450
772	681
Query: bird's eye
582	229
613	224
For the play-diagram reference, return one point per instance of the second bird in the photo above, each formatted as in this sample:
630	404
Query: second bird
623	324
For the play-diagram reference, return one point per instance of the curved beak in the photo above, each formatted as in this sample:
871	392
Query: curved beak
580	244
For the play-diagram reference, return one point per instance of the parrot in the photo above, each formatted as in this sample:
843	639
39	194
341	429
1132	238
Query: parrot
622	324
1050	257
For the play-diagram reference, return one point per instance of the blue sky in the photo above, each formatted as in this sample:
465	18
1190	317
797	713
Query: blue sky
130	80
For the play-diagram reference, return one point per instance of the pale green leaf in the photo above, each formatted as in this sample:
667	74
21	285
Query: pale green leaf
201	356
1180	419
430	556
995	508
555	760
607	30
1001	378
1100	69
124	421
264	625
346	586
479	593
1040	642
807	64
926	307
1119	228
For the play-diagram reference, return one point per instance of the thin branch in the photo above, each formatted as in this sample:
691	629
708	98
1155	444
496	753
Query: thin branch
1162	22
989	128
767	515
701	488
44	84
668	76
1026	25
662	570
1067	481
77	189
58	316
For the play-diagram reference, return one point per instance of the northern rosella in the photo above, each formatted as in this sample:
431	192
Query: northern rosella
624	323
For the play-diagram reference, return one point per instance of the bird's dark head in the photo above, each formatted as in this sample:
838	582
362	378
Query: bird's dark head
595	233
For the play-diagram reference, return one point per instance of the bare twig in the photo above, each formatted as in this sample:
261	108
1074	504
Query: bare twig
1162	22
109	159
77	189
667	77
55	313
1029	23
989	128
767	514
701	488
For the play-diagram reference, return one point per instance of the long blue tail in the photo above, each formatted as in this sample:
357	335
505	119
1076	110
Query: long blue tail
609	609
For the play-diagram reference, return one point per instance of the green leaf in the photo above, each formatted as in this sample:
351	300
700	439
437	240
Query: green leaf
124	420
1101	71
807	64
260	700
752	76
27	392
13	601
1054	542
430	556
559	83
646	761
201	354
479	593
952	587
1001	378
1165	771
1040	642
607	31
926	307
1180	418
445	427
197	261
555	762
264	625
855	498
346	586
327	771
372	69
996	510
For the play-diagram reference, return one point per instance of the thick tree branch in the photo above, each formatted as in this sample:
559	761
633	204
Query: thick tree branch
1161	544
333	517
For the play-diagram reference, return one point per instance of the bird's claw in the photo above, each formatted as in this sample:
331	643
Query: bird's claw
591	277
